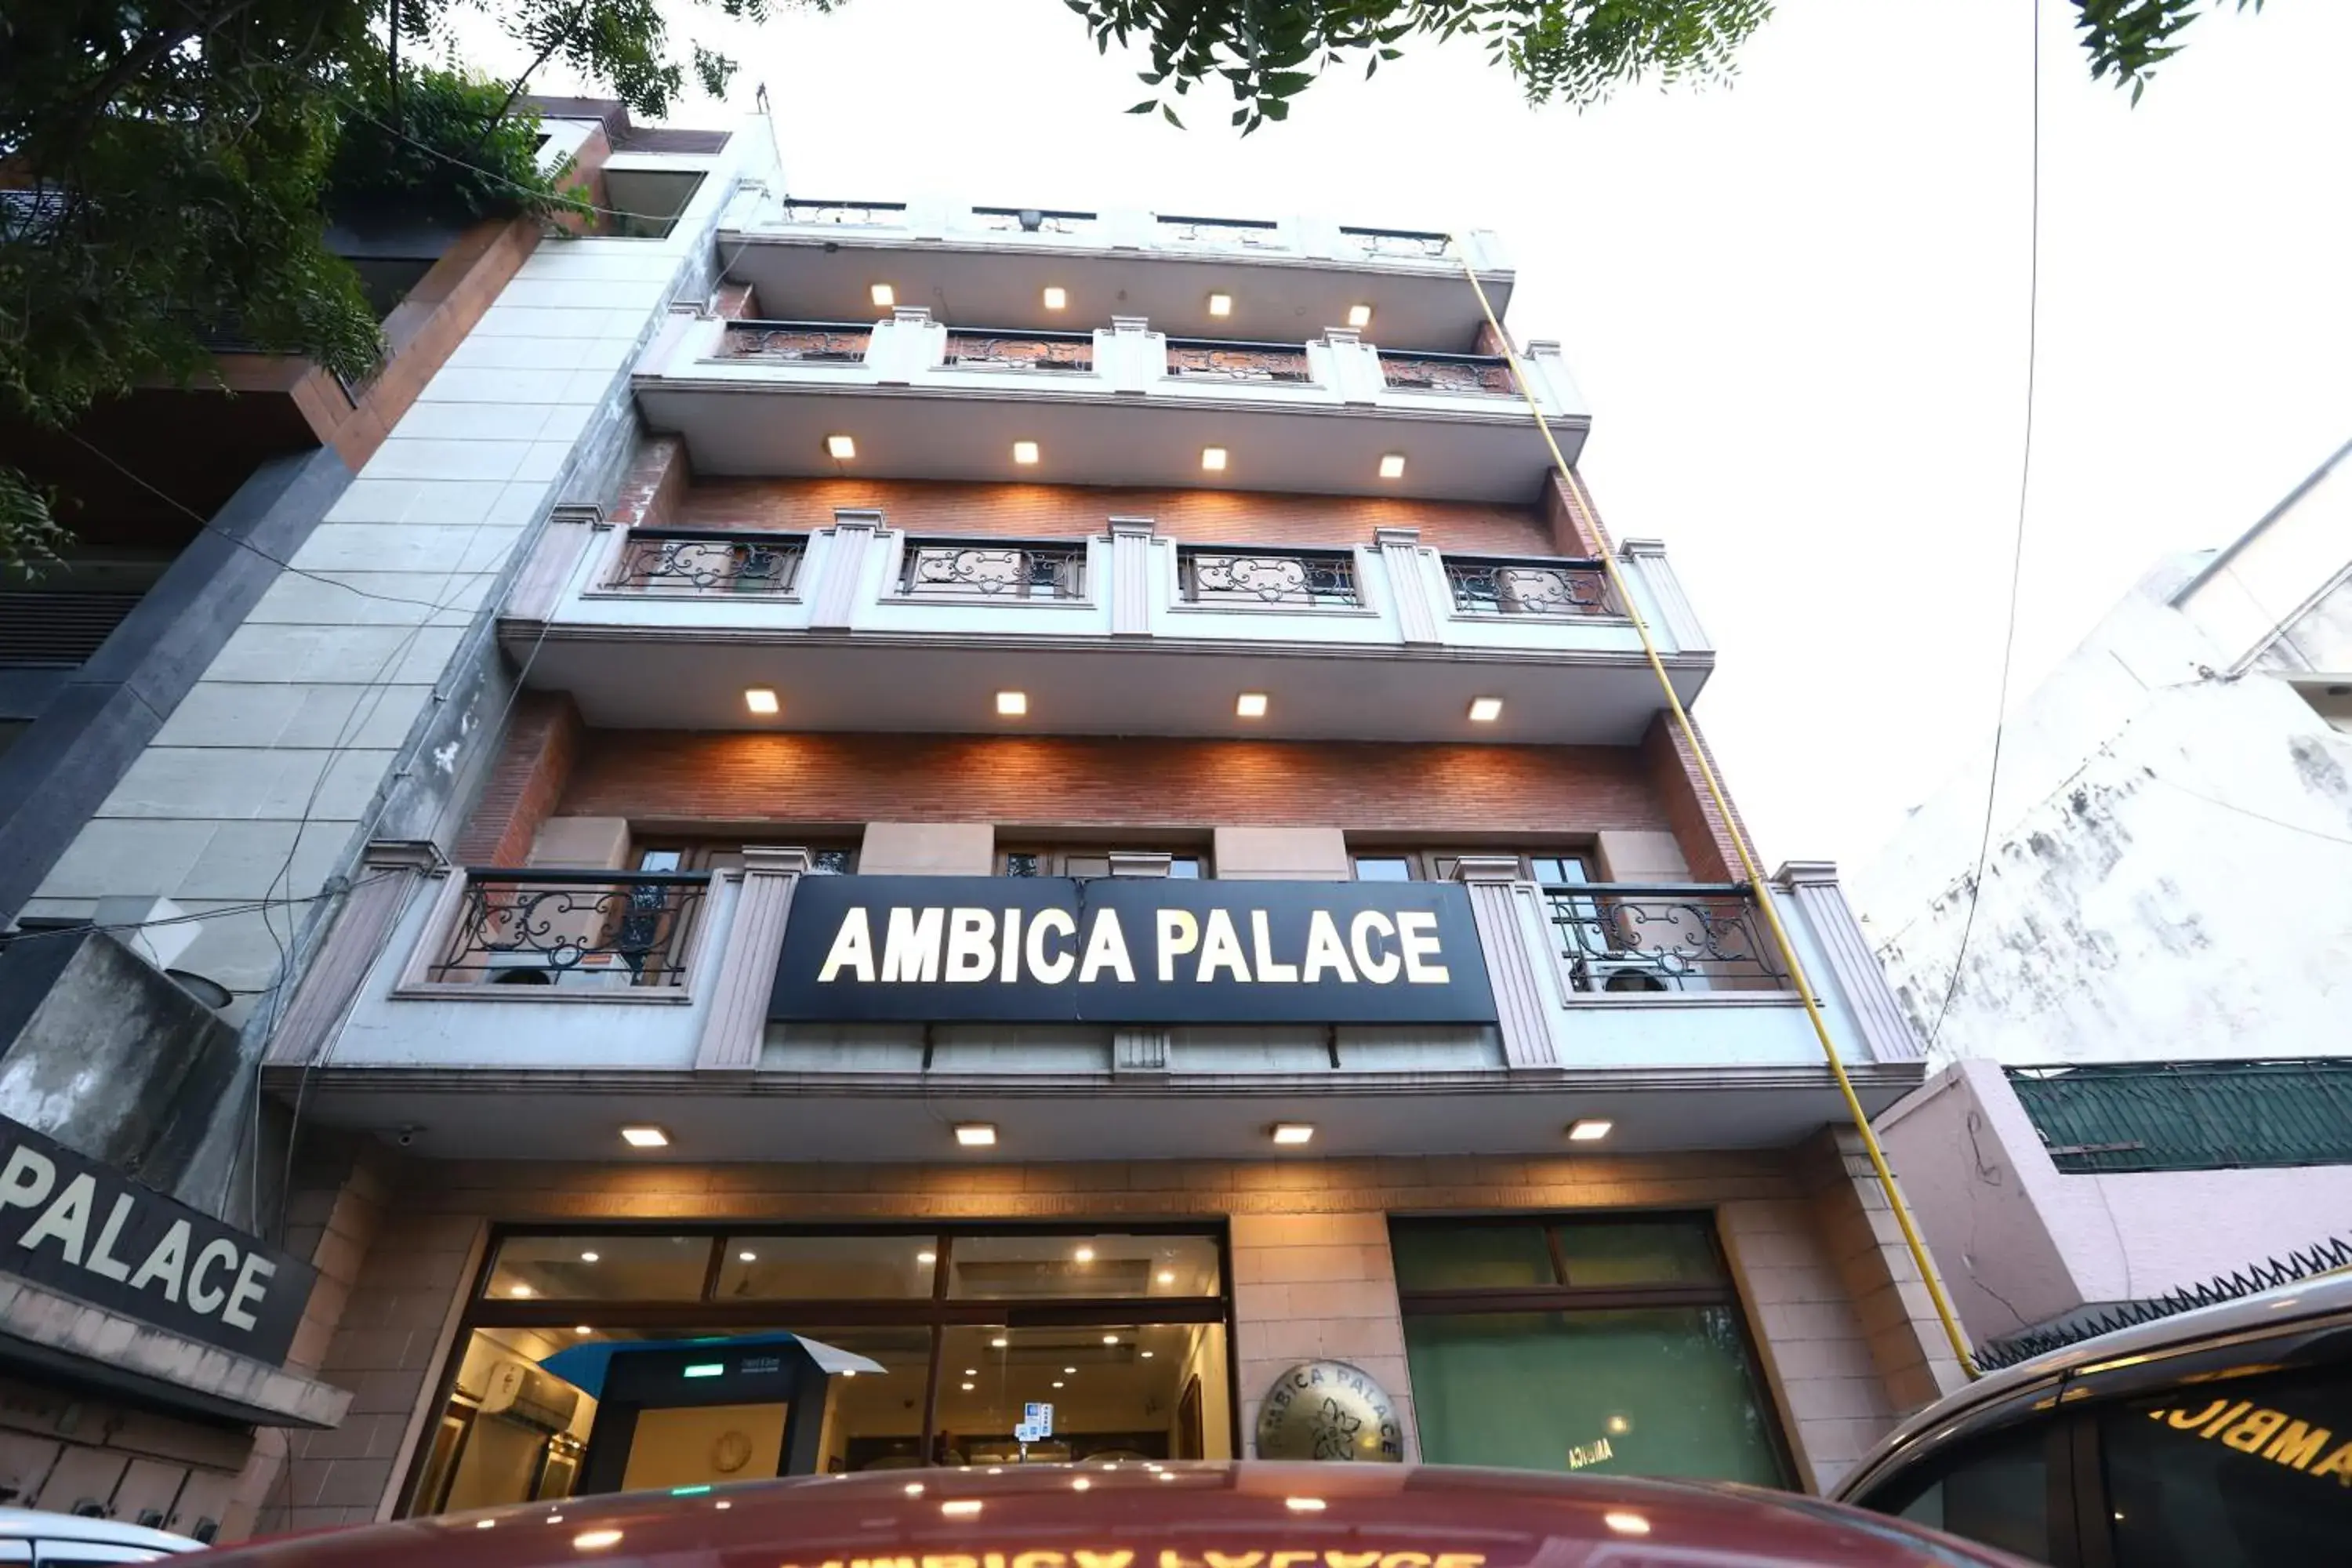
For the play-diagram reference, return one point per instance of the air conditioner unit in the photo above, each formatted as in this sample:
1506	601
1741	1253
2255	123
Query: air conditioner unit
1622	972
597	971
523	1392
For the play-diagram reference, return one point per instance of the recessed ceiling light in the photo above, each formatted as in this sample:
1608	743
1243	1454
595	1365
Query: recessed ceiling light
1024	452
1250	705
884	295
1213	460
1592	1129
999	1342
927	1257
761	700
1486	710
968	1387
645	1137
1055	297
1392	466
1057	1382
1293	1132
841	447
1359	315
1111	1338
1145	1354
976	1135
1168	1277
1069	1371
1626	1523
961	1508
518	1291
1302	1504
1221	304
582	1329
748	1257
1083	1254
588	1257
849	1371
1012	704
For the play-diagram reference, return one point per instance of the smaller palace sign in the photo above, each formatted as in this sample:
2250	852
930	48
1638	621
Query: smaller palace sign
79	1226
1129	950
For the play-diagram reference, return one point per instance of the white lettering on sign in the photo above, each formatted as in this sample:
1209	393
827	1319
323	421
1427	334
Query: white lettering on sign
965	946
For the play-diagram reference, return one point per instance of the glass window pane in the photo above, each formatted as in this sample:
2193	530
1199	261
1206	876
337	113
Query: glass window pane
875	1422
1667	1253
1036	1267
1655	1392
1119	1391
1383	869
601	1267
1187	867
2242	1474
1997	1491
496	1442
1556	870
1457	1256
825	1268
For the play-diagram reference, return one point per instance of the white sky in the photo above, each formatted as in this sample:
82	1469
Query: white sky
1798	308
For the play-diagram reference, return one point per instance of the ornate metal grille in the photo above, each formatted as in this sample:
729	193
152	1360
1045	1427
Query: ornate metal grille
1238	362
1407	242
1619	937
668	559
1022	351
1315	580
1254	234
856	215
1448	373
1529	587
1032	220
2190	1116
803	341
955	571
575	928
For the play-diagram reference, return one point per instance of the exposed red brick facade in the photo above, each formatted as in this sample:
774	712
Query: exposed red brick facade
542	744
660	475
1698	826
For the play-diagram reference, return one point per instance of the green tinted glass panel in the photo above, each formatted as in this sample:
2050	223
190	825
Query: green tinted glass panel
1657	1392
1666	1254
1457	1256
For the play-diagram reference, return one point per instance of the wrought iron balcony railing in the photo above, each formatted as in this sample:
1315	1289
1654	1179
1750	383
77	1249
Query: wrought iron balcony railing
953	569
1623	937
1448	373
834	342
708	561
1418	244
1020	351
1211	359
1255	234
580	929
854	214
1033	220
1529	587
1312	580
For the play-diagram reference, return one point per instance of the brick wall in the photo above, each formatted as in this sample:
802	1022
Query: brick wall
1698	826
535	762
1437	791
1059	512
659	477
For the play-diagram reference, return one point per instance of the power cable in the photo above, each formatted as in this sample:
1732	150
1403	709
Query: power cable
2017	544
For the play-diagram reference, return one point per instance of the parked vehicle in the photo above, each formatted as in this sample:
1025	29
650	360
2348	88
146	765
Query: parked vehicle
2218	1438
43	1540
1149	1515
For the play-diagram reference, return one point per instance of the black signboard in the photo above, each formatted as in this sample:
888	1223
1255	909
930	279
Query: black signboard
1046	950
70	1223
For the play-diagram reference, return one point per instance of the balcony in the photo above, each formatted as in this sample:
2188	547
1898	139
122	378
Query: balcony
862	626
1123	404
658	1011
824	258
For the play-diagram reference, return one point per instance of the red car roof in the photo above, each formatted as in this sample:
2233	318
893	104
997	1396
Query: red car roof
1149	1516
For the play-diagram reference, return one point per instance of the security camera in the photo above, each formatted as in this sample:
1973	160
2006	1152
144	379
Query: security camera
407	1136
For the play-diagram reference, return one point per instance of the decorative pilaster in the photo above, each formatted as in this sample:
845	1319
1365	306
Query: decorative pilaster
1400	551
1678	621
1130	357
737	1023
390	871
1812	888
1130	576
1355	366
833	607
1520	1014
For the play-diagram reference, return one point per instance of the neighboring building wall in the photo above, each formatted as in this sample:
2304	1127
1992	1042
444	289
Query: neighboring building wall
2021	1242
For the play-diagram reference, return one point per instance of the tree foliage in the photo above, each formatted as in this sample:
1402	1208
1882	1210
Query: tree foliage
2128	39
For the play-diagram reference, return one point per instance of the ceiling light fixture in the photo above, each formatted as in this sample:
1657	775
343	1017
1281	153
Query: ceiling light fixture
1145	1354
1168	1277
1012	704
1083	1254
518	1291
1250	705
927	1257
1293	1132
1111	1338
976	1135
1392	466
841	448
1055	297
883	296
1626	1523
1057	1382
588	1258
1213	460
1081	1484
1486	710
1302	1504
1069	1371
1359	315
968	1387
1024	452
1590	1129
583	1329
645	1137
999	1342
961	1508
748	1257
1221	304
761	700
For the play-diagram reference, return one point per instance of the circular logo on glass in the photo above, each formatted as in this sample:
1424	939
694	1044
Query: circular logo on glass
1329	1410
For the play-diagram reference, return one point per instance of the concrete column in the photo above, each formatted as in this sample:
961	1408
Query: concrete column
737	1020
390	874
1522	1015
1130	357
1812	888
1130	576
835	598
906	345
1675	625
1354	366
1400	552
1314	1286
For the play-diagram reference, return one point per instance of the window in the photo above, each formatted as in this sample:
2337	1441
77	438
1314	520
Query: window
1614	1345
1996	1490
1093	861
1551	868
2242	1473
